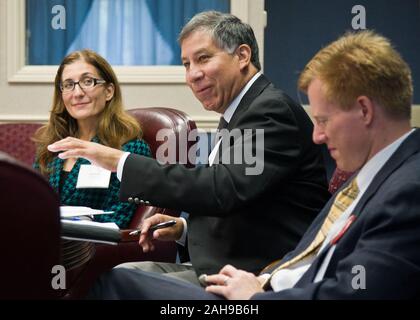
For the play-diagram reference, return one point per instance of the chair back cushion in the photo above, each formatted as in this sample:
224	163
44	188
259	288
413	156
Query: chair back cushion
30	236
180	133
15	140
175	122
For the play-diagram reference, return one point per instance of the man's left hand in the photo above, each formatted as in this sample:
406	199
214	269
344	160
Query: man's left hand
234	284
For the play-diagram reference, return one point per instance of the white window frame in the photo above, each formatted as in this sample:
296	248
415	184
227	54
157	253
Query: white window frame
19	72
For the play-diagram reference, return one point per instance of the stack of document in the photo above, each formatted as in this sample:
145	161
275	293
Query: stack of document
76	226
74	211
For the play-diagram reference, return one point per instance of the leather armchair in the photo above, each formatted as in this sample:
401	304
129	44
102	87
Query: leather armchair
30	235
108	256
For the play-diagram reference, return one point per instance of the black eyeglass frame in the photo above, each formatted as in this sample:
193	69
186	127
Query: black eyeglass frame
96	81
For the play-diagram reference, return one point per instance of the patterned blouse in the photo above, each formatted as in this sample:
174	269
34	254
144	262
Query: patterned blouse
96	198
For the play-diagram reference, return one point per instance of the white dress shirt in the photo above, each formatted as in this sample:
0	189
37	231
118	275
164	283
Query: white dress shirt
228	114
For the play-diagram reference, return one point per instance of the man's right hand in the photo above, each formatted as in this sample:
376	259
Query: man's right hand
170	233
96	153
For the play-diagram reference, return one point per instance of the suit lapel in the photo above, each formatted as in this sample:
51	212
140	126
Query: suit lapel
255	90
257	87
409	147
310	274
310	234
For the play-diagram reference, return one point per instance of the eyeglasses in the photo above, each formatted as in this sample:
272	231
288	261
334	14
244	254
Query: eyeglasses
84	83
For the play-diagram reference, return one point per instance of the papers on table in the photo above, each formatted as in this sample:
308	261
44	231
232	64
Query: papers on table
70	211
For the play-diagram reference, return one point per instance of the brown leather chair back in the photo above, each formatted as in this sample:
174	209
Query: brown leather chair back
30	235
15	140
176	122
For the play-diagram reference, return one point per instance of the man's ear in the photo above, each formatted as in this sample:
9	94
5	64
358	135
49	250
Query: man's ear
367	108
244	54
110	89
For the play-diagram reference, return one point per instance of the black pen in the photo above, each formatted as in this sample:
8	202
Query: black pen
155	227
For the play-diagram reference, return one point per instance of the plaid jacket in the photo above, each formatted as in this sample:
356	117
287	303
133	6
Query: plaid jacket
104	199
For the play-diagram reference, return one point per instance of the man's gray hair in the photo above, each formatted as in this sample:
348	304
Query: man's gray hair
228	32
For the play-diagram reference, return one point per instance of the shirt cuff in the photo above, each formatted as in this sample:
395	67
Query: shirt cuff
264	279
120	165
181	240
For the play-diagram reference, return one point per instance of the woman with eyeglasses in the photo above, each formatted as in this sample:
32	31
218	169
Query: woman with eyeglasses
87	104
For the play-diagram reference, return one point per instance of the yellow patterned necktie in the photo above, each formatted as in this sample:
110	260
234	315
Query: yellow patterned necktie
342	201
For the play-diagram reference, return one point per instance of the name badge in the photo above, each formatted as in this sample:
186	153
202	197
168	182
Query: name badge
91	176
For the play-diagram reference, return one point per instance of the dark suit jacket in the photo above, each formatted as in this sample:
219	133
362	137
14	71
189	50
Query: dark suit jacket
384	239
245	220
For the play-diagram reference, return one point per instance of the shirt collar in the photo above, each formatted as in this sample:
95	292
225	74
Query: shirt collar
372	167
227	115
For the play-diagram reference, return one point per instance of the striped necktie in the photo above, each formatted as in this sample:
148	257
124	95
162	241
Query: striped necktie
342	201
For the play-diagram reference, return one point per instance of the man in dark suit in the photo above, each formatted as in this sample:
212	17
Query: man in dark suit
239	213
360	93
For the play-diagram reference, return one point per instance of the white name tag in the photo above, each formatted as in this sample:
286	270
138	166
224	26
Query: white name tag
91	176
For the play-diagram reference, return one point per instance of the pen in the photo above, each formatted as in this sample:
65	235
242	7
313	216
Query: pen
155	227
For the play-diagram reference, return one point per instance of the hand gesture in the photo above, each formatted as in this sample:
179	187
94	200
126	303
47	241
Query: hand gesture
170	233
96	153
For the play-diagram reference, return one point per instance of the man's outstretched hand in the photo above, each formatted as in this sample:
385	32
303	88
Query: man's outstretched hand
96	153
